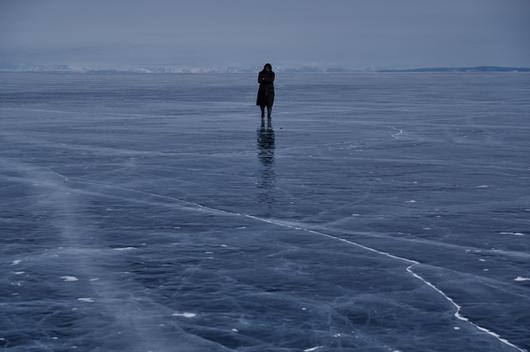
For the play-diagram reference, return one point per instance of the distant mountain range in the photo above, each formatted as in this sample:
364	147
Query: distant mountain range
460	69
161	69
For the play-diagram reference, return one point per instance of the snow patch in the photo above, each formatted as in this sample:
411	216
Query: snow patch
512	233
520	278
184	315
69	278
86	299
313	348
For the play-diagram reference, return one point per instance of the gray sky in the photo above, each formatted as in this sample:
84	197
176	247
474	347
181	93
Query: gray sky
357	34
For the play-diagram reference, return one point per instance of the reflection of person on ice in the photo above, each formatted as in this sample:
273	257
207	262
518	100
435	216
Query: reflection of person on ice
266	91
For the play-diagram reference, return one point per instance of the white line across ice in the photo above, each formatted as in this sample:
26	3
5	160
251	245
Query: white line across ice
409	268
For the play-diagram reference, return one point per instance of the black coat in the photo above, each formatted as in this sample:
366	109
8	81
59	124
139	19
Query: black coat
266	88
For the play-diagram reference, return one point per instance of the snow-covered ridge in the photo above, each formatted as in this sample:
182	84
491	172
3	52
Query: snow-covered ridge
157	69
163	69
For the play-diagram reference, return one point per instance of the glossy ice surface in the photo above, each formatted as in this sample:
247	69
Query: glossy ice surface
153	213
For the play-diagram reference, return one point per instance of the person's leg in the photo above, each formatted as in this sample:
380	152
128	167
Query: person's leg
262	107
269	111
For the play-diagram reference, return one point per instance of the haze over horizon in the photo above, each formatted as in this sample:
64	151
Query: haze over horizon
239	33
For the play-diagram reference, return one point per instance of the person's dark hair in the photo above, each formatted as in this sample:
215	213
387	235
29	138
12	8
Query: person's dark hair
267	65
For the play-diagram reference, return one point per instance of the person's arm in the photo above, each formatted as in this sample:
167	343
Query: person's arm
260	77
266	78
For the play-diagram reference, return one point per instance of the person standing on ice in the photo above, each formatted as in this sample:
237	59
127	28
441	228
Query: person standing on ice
266	91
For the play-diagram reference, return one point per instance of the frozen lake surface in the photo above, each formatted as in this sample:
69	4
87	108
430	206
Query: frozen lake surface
383	212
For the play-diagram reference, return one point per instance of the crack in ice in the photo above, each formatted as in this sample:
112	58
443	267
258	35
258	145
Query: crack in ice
409	268
412	263
400	132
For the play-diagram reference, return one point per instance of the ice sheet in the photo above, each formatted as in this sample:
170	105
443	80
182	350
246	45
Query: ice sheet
382	212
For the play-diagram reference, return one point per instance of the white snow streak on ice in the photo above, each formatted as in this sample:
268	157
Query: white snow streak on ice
512	233
313	348
520	278
69	278
184	314
86	299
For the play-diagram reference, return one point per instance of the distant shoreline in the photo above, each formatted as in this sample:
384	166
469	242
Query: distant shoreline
461	69
303	69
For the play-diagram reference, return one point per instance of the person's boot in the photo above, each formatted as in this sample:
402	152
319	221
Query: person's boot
263	112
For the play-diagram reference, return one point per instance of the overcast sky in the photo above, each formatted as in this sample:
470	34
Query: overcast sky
357	34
